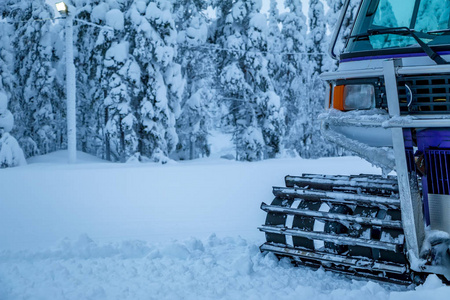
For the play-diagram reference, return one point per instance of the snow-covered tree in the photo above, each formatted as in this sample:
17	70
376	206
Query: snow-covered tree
6	57
186	10
274	44
154	48
121	84
311	143
92	42
293	73
119	79
11	155
198	66
38	90
317	39
132	87
254	109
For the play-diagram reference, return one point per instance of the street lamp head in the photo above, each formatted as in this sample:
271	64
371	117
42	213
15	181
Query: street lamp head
62	8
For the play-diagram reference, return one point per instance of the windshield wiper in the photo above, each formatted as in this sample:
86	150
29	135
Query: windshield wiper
439	31
405	31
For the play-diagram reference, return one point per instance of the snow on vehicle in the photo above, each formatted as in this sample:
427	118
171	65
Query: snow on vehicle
389	102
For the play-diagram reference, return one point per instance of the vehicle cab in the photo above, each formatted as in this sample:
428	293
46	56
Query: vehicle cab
415	36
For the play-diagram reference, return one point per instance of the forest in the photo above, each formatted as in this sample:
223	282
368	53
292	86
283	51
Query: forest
155	78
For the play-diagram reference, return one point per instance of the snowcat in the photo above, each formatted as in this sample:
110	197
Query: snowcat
388	102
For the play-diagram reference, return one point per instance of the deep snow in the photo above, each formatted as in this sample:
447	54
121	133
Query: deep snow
98	230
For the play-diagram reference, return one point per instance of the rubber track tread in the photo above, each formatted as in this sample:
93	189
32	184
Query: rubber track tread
361	232
331	216
343	182
336	197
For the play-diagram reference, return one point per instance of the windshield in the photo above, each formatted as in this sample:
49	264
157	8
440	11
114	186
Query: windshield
429	19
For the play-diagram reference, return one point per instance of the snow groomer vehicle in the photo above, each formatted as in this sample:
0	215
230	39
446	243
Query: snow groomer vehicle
388	102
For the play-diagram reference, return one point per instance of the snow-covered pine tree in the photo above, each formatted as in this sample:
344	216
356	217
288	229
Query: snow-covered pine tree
254	109
294	74
312	143
37	91
185	10
6	57
317	39
11	155
198	66
153	36
120	82
92	42
274	45
109	81
96	111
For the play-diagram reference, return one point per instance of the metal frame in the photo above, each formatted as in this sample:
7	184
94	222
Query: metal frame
338	29
329	216
366	73
395	246
377	72
335	259
336	197
414	122
410	200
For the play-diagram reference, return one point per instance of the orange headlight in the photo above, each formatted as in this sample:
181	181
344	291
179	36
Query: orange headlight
338	97
353	96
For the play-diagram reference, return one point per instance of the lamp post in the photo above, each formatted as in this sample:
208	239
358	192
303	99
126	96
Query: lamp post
70	84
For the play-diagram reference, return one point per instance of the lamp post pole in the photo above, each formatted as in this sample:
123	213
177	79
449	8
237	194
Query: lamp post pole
71	93
71	78
70	83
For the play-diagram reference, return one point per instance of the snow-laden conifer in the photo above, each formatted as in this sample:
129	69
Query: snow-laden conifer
198	66
11	155
91	43
38	91
121	83
294	74
312	144
274	43
7	77
154	38
254	109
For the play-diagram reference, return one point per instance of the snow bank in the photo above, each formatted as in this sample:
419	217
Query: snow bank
214	268
432	289
49	200
97	230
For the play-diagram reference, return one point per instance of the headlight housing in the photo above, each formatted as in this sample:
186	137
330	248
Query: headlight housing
353	96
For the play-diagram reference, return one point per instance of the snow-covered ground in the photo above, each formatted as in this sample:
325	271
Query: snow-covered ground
187	230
